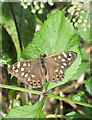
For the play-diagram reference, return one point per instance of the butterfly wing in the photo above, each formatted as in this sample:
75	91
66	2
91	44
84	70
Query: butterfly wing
57	64
28	72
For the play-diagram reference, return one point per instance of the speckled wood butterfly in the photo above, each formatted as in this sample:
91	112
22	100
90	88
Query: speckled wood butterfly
35	72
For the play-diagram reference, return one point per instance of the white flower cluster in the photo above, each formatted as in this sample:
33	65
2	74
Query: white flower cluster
36	5
80	12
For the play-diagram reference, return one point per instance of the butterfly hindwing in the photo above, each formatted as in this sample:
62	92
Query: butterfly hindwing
58	64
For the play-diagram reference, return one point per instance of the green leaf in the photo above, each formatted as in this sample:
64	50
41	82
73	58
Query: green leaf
88	112
27	111
7	47
80	97
56	35
1	117
3	62
25	21
83	66
88	85
74	115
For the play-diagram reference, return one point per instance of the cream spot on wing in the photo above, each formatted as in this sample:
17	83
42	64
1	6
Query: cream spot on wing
59	57
56	70
22	69
22	74
69	59
58	64
64	54
70	54
13	67
16	70
29	70
61	71
64	64
26	75
29	64
18	64
32	75
55	58
63	60
24	64
29	78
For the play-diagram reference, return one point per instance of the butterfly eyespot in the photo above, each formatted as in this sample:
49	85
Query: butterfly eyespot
53	79
34	82
38	82
57	76
60	74
31	82
69	56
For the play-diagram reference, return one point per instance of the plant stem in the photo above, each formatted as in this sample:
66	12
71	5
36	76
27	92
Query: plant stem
15	25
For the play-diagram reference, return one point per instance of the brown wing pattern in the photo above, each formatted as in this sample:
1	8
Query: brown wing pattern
28	72
57	64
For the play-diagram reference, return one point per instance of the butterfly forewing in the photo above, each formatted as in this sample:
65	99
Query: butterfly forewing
57	64
28	72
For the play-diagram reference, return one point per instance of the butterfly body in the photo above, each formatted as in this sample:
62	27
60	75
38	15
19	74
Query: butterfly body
35	72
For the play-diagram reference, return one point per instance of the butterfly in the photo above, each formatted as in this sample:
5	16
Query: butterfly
35	72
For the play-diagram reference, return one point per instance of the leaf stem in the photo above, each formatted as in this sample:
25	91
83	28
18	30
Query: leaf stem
19	38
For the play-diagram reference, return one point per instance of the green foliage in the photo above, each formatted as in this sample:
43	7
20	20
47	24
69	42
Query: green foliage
88	85
74	115
83	66
80	97
88	112
7	47
3	62
25	21
56	35
31	111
